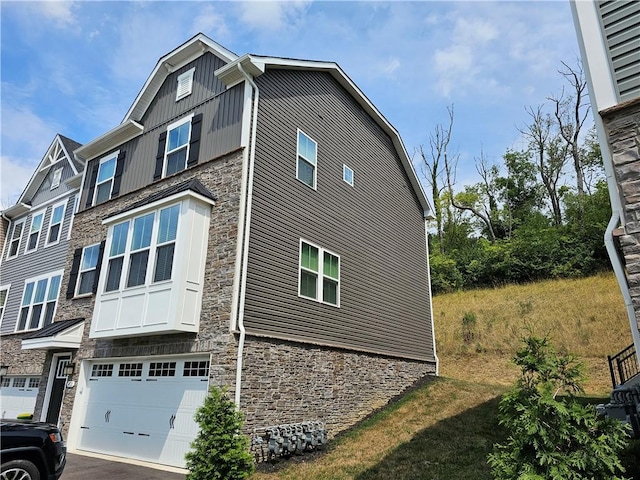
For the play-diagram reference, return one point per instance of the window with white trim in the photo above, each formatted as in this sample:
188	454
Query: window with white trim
56	177
39	301
4	293
16	238
177	147
34	232
347	174
307	160
104	181
319	275
185	84
88	268
153	237
55	223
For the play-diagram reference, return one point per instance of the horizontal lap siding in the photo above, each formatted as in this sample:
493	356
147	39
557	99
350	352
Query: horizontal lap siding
45	193
376	227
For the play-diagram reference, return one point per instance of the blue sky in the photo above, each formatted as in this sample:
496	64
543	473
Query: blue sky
75	67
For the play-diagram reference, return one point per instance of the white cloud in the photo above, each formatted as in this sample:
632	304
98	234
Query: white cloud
392	65
14	175
210	22
59	12
269	15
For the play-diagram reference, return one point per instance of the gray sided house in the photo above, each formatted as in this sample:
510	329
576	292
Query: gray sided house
253	222
609	38
31	269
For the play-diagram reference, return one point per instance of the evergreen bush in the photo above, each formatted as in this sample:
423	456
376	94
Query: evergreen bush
220	451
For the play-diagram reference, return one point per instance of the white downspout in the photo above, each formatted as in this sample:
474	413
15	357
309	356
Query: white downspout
433	334
245	239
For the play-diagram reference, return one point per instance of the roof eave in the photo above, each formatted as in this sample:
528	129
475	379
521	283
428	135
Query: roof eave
124	132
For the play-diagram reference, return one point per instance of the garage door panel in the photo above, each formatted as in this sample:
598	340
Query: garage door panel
17	397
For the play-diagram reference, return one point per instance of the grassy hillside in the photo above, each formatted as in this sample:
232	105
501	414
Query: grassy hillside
445	428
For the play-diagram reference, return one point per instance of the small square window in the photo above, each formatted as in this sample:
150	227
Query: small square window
34	382
185	84
347	175
130	370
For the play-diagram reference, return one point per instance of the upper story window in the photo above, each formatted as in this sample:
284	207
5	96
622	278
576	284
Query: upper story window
307	160
16	238
104	181
88	267
34	232
142	250
4	292
185	84
347	175
39	301
319	276
177	152
56	177
55	223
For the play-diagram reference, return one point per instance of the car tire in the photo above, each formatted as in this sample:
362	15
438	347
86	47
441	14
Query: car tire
19	470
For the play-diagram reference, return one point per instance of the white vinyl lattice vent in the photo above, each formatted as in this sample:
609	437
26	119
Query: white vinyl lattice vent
185	84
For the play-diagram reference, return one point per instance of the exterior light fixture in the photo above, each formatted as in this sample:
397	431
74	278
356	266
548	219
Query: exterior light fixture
69	369
3	370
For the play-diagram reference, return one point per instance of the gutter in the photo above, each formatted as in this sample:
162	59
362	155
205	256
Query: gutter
245	235
433	333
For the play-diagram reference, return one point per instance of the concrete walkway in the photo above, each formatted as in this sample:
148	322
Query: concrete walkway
82	467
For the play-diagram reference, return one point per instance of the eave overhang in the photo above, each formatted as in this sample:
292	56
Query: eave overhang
124	132
256	65
16	210
63	334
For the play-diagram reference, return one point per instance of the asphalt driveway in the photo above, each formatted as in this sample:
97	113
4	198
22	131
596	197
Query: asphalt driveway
81	467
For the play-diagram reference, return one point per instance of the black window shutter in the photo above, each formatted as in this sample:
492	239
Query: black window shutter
194	142
94	289
73	276
117	177
162	141
92	183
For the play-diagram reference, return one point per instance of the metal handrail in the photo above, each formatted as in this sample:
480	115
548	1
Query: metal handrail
623	366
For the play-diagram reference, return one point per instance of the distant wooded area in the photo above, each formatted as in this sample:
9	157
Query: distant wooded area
539	213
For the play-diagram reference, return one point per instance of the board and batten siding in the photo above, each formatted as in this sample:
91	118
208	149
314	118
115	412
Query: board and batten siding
621	26
221	125
376	227
44	260
45	193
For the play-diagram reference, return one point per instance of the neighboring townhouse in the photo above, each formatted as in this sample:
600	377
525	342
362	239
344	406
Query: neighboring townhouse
33	261
609	39
254	222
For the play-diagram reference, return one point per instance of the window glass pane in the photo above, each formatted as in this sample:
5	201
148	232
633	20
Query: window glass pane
106	170
331	268
309	257
138	268
90	257
168	224
114	273
330	291
35	316
142	228
17	230
176	161
307	148
86	282
308	284
3	297
103	191
53	233
54	288
33	241
48	314
56	216
41	288
164	262
22	323
305	172
119	239
28	293
178	136
36	223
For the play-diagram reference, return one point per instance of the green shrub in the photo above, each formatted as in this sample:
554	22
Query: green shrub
551	437
220	451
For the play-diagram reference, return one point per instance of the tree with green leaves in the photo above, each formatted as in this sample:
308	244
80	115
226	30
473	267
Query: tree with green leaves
553	437
220	451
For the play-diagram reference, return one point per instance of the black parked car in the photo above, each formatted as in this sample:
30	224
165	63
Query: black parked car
31	451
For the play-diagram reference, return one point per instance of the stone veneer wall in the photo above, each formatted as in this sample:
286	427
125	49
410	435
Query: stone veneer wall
222	177
622	124
285	382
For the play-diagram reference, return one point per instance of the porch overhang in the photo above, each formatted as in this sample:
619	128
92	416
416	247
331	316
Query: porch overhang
62	334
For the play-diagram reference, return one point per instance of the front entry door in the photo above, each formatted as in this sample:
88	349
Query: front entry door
58	383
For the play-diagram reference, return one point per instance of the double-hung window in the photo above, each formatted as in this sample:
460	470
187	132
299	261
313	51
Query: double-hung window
177	148
142	249
16	238
307	160
34	231
319	275
104	181
4	292
55	223
88	268
39	301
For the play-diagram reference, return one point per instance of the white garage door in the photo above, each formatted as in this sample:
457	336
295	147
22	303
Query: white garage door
18	395
143	408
